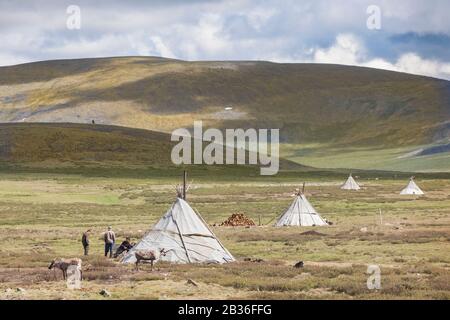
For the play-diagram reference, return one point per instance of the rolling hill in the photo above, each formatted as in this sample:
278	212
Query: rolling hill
327	114
68	145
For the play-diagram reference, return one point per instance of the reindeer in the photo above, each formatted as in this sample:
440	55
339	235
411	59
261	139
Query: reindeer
149	255
63	264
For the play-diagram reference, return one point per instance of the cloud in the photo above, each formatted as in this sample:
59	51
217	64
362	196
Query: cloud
325	31
160	48
8	60
346	50
412	63
349	50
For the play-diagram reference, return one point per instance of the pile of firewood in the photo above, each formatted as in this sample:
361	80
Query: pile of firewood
236	220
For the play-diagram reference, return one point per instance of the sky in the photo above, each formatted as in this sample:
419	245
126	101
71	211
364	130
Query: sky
403	35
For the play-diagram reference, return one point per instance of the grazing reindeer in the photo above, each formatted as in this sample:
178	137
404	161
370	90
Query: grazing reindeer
148	255
63	265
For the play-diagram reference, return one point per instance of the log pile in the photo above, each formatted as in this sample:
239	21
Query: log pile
238	220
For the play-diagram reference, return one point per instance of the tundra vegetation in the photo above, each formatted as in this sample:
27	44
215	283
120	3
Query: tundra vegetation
43	215
58	180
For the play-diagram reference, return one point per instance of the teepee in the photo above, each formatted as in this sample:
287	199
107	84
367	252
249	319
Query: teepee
184	235
350	184
412	188
300	213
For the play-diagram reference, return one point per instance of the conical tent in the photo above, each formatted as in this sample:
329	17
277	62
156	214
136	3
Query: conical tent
350	184
412	188
186	237
300	213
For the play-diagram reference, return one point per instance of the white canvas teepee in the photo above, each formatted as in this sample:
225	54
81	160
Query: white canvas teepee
186	237
412	188
350	184
300	213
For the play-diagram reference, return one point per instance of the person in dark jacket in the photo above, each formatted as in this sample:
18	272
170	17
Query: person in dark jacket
85	241
125	246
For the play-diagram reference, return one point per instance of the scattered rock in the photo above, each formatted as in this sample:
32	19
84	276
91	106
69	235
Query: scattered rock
299	264
105	293
192	282
21	290
363	229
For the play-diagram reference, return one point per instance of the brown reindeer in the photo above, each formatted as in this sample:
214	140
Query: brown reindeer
149	255
63	264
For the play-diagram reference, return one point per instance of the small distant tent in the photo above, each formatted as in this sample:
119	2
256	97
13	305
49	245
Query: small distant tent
350	184
300	213
185	235
412	189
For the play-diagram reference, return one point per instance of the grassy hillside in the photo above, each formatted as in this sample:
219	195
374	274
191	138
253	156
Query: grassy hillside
403	158
76	143
93	149
326	105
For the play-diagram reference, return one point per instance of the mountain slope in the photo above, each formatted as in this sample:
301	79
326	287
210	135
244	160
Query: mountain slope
329	105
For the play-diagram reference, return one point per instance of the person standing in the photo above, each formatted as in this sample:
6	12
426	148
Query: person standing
85	241
109	239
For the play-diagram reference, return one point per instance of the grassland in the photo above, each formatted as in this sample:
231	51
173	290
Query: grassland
366	158
43	215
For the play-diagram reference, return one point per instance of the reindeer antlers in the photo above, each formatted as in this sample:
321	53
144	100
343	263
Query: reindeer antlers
179	189
298	191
